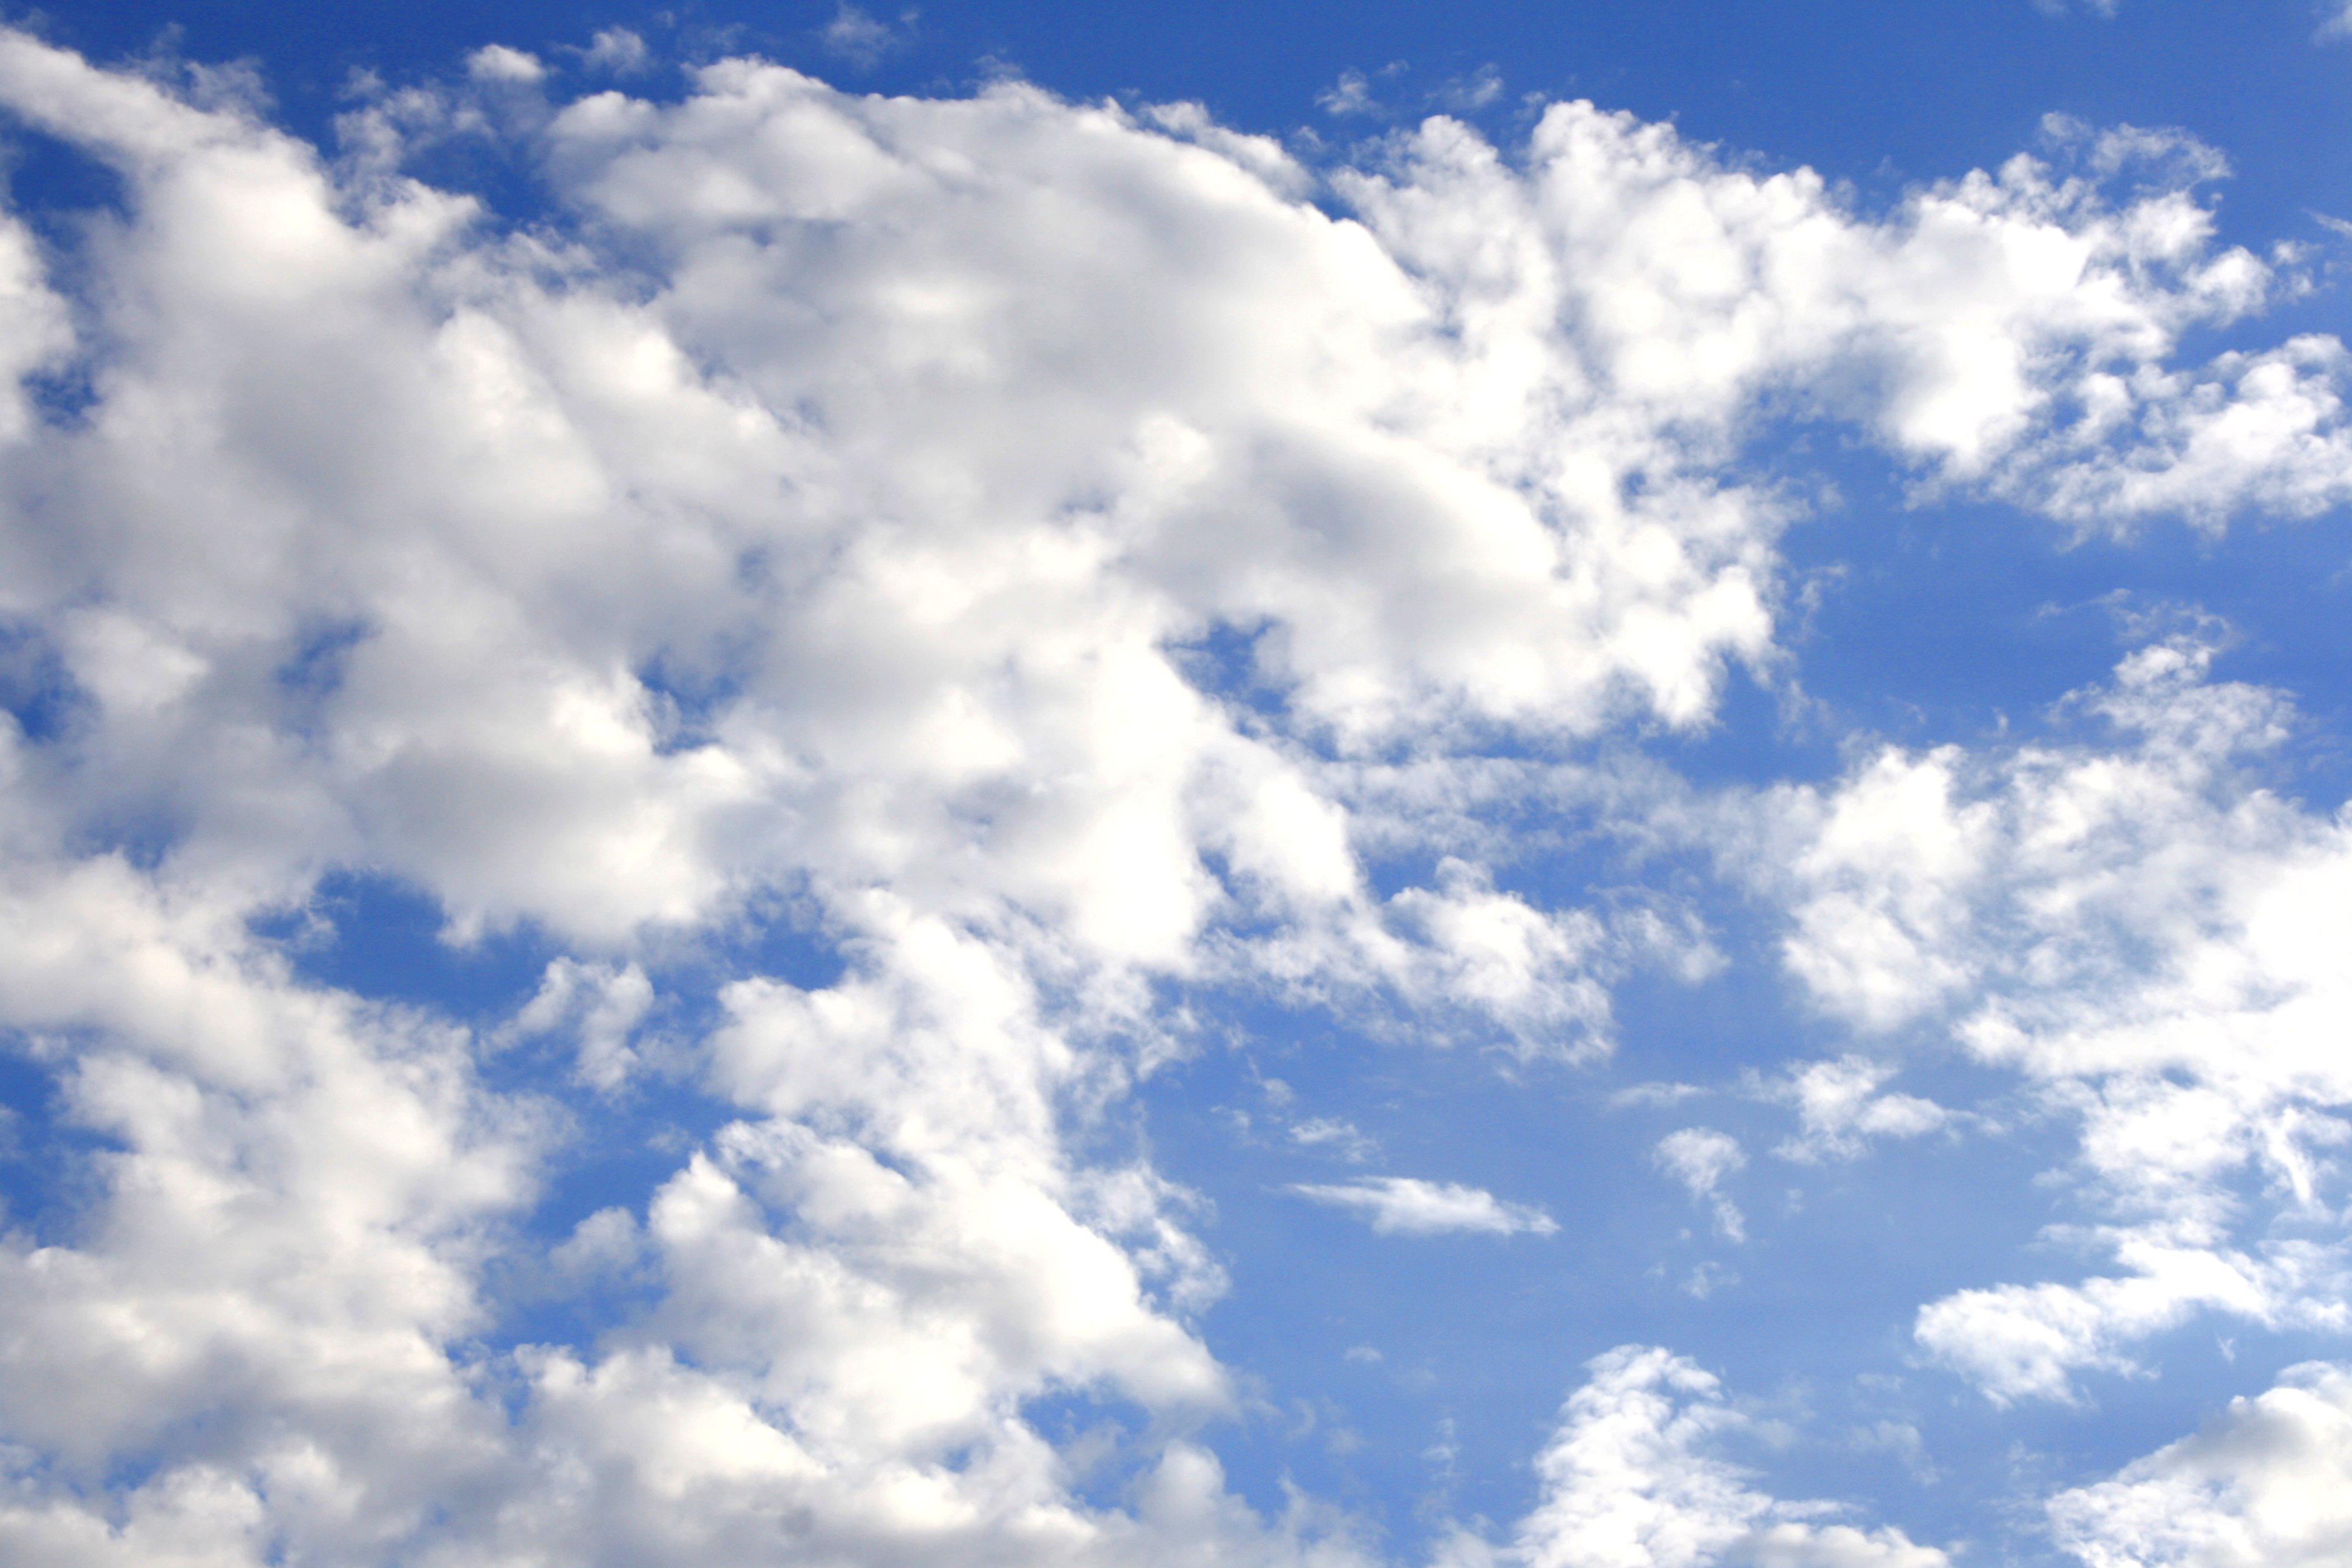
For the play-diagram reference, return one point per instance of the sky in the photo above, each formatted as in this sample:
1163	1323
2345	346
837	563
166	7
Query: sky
1302	786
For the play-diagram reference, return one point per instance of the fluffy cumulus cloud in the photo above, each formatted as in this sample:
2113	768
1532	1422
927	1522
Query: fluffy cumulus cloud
2151	938
1633	1479
2268	1483
2009	330
993	542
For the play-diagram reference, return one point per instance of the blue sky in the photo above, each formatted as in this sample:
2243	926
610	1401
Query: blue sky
1283	785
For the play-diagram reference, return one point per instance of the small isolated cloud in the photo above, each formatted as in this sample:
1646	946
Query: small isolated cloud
1700	1158
857	35
1402	1206
1654	1093
497	62
2336	21
1707	1279
1467	94
1339	1137
1352	94
1902	1440
1842	1110
616	51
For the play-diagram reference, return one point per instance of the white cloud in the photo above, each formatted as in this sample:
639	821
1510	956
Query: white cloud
617	50
1656	1094
426	642
1405	1205
497	62
284	1251
2008	326
603	1003
1352	94
2266	1484
1541	976
1467	94
36	325
855	36
1700	1158
1632	1480
1840	1108
2020	1342
2149	936
2262	430
1342	1137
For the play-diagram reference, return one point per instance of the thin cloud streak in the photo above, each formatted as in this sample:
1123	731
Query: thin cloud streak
1405	1205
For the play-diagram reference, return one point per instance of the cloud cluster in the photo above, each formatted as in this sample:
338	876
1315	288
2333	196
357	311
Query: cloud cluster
2008	331
975	539
2151	938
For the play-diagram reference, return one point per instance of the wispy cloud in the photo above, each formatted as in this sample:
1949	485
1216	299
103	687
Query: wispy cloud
859	36
1403	1206
1700	1158
1634	1474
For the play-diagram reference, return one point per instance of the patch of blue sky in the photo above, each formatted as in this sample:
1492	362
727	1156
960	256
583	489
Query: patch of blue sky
1386	1336
59	186
35	688
1368	1351
690	692
1921	616
1880	99
383	939
52	1174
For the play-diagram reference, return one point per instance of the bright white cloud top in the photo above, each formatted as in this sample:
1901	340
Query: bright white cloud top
930	619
